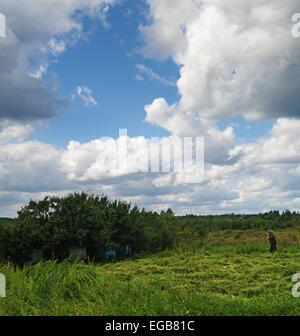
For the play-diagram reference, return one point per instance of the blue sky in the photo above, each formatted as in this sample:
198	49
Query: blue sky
73	73
107	63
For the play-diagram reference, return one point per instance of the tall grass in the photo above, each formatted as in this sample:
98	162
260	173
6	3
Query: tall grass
231	279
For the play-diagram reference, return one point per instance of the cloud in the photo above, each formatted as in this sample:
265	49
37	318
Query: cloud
56	47
37	32
14	131
30	166
282	146
152	75
85	94
235	59
165	35
25	98
139	77
231	64
266	175
39	72
189	124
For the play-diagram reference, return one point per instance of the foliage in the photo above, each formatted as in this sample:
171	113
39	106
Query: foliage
80	219
231	279
85	220
272	219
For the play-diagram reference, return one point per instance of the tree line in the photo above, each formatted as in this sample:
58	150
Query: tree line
272	219
85	220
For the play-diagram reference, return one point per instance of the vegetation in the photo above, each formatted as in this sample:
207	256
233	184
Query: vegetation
79	219
272	219
231	279
191	265
83	220
5	221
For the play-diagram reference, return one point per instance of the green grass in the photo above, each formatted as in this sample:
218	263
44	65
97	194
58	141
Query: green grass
230	279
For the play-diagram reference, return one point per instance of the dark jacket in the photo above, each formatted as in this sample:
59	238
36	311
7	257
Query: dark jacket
271	237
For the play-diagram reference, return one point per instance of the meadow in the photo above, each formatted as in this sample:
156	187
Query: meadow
228	273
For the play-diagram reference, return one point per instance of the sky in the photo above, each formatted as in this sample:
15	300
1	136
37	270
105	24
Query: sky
73	73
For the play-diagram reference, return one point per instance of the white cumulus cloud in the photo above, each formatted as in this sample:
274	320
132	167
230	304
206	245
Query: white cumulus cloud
86	95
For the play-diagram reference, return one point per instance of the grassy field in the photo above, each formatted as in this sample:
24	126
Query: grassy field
223	278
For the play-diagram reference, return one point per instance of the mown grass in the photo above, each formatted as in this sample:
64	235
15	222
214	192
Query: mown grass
230	279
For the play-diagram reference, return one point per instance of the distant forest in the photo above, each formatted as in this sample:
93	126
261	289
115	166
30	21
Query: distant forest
272	219
95	222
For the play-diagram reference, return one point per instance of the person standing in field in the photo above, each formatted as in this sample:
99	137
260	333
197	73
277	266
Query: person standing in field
272	239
